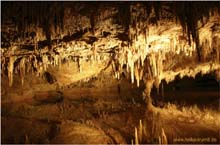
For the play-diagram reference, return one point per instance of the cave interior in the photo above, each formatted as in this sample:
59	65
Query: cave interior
110	72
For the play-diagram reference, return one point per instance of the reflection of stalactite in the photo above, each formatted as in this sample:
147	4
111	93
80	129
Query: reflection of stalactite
22	69
40	69
29	66
11	69
45	61
34	62
147	91
3	64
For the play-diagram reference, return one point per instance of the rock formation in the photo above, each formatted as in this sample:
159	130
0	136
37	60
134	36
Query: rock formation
148	41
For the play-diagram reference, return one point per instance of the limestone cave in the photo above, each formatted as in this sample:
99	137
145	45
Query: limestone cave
111	72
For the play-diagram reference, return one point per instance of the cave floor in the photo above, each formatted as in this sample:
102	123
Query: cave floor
110	119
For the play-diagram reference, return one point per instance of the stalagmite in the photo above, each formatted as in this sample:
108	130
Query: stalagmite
140	131
163	137
136	136
161	41
145	42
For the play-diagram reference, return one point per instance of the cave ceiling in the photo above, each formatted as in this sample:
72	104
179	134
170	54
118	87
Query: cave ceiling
145	40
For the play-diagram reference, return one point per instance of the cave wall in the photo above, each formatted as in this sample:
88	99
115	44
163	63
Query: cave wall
148	41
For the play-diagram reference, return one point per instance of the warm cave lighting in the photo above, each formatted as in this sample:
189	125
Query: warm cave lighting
110	72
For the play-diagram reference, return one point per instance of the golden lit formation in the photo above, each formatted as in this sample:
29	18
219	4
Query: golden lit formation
106	72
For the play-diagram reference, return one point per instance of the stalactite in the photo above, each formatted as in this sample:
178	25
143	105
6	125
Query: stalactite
160	59
157	83
114	68
56	60
143	56
136	73
79	61
130	64
153	64
138	24
132	72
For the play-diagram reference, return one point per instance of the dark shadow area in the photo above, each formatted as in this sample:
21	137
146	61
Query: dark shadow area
202	91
